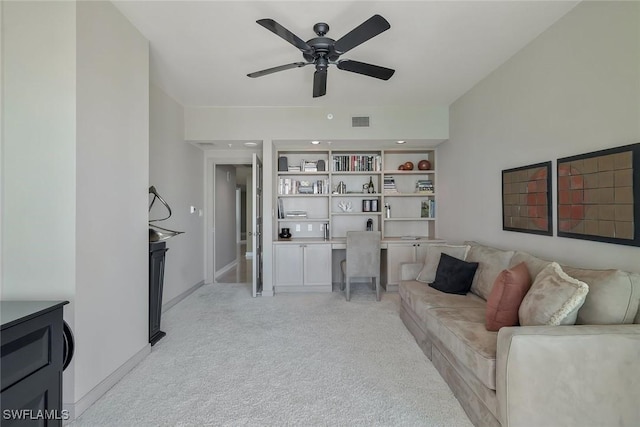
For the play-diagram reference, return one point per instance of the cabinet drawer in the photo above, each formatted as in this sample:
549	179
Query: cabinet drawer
26	348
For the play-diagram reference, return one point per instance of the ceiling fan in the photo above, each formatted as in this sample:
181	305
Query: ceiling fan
323	51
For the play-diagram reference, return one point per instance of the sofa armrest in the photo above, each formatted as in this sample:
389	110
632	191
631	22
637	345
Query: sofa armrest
410	270
568	375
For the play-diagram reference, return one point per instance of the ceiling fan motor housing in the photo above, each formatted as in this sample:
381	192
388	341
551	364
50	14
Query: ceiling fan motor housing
322	46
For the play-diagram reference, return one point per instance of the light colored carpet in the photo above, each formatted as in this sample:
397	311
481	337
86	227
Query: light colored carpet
299	360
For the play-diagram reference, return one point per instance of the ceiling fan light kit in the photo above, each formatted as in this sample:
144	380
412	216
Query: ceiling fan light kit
323	51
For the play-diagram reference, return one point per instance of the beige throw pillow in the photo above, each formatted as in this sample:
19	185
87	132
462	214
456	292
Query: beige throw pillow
428	272
554	298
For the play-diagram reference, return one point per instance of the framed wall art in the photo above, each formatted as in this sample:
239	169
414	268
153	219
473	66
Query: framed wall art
599	195
526	199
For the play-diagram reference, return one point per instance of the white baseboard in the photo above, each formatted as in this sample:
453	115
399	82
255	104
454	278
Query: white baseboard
226	268
167	305
75	410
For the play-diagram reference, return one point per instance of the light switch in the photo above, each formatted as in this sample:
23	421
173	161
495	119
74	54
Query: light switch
192	209
297	227
310	227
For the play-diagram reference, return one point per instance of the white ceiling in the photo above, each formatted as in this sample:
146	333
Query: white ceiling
201	51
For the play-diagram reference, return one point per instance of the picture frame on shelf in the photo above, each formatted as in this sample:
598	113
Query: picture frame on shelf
598	195
526	199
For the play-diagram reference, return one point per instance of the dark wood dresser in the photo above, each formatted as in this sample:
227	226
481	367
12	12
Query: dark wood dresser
31	363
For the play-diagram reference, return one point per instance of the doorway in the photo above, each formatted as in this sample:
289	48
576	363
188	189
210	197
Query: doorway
232	226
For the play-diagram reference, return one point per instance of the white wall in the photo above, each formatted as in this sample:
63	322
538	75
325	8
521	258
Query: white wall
112	184
39	150
38	159
75	176
225	215
176	169
218	123
574	89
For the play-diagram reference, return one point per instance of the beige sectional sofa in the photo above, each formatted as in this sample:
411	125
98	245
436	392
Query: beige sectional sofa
587	374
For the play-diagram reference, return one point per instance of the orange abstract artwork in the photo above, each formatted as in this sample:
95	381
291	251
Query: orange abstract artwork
526	204
596	196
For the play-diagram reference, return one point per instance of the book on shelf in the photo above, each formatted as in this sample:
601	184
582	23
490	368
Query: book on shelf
357	163
424	186
308	166
428	209
389	185
296	214
287	186
280	209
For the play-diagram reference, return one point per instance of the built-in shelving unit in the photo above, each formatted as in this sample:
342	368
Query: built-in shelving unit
330	188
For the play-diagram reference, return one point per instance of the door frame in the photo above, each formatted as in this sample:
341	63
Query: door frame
257	220
212	159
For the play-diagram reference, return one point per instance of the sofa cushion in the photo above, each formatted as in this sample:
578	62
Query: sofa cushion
432	259
554	298
420	298
506	295
454	276
613	296
534	264
491	262
463	333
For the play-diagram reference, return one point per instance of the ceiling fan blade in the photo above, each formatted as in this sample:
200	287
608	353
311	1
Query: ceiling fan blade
279	68
319	83
366	69
281	31
363	32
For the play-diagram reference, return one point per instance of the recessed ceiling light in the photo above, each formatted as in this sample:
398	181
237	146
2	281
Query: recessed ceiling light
251	144
400	142
315	142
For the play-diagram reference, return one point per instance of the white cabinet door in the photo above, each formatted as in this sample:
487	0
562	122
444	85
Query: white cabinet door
421	252
288	265
317	264
396	255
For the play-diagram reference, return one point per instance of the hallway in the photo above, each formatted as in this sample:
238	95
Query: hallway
242	271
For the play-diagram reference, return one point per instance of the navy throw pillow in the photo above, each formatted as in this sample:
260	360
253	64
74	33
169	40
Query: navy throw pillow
454	276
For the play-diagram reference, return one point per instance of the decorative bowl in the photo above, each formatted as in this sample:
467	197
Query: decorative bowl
424	165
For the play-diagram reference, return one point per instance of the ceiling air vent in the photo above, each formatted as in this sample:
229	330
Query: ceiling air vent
360	122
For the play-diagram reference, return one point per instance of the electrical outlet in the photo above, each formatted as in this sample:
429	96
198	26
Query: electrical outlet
297	227
310	227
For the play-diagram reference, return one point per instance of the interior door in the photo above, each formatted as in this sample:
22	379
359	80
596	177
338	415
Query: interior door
256	182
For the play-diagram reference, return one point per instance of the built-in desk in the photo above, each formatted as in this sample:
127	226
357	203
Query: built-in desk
313	264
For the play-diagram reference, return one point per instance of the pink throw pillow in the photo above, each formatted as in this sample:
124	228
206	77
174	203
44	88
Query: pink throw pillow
507	293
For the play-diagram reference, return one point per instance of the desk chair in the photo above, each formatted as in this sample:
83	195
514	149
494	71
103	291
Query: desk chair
363	259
